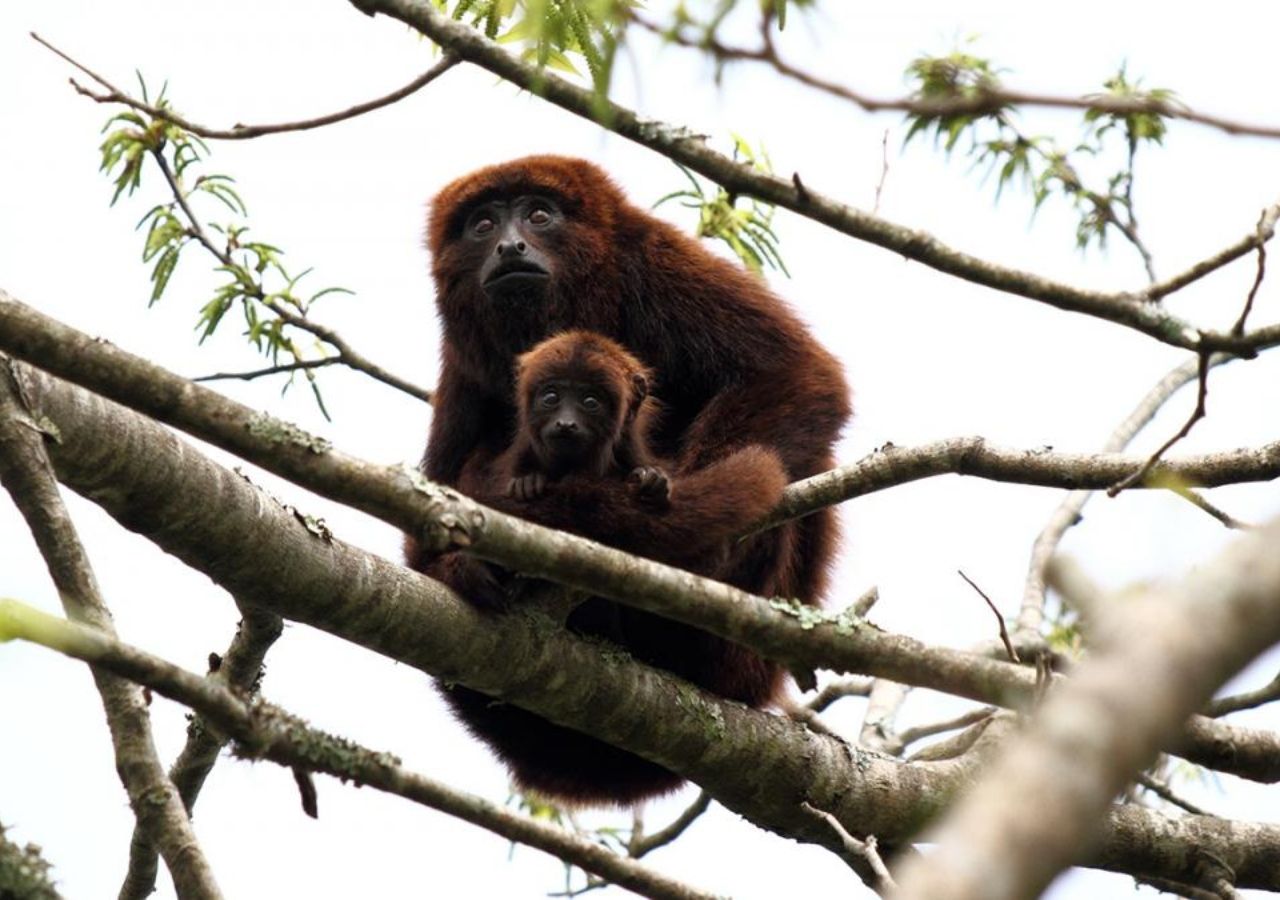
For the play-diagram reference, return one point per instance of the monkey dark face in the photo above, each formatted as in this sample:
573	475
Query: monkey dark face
573	425
513	240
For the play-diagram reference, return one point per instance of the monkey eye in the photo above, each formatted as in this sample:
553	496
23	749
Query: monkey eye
549	398
591	402
539	216
482	226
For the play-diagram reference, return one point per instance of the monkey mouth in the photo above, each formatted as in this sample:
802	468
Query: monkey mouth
516	275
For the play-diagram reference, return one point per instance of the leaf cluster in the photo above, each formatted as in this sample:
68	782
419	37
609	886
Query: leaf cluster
970	85
551	33
257	283
748	230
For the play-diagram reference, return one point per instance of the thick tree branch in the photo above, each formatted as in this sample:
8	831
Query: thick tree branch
265	731
1131	309
1104	724
214	520
797	636
28	477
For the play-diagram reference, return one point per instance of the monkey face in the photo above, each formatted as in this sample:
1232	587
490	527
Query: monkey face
572	426
513	240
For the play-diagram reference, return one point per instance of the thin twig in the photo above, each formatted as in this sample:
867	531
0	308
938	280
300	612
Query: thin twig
1031	613
884	171
1196	415
1165	793
1004	633
1198	500
346	353
857	686
863	856
1261	273
243	132
640	844
271	370
1248	700
909	736
989	100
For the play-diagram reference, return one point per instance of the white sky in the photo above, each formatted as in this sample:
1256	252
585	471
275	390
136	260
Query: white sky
928	357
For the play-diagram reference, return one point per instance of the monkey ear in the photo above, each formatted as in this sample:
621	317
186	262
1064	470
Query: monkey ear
639	386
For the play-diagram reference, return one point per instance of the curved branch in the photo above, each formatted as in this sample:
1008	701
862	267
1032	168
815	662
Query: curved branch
243	132
988	101
211	518
1129	308
799	637
262	730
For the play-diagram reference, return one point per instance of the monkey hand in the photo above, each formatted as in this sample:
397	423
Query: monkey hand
527	487
650	484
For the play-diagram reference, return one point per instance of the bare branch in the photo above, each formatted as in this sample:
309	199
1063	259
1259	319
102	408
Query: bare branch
909	736
1103	725
1265	221
1197	414
268	732
862	856
838	690
240	668
641	844
1165	793
242	132
299	366
1248	700
891	465
1004	633
1031	615
28	476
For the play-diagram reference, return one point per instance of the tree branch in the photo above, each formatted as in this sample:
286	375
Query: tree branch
28	477
240	668
799	637
1103	725
240	132
264	731
214	520
990	100
1131	308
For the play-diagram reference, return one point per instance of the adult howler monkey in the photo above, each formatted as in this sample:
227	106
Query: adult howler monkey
581	462
528	248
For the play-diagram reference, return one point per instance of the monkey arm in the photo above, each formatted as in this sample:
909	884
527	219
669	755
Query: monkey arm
707	508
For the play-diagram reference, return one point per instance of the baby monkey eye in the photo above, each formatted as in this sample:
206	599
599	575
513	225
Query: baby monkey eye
549	398
591	402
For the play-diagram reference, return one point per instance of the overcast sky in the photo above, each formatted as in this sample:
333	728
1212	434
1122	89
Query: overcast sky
927	356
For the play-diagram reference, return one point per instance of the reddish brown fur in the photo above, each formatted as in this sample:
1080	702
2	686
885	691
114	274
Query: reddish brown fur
734	366
588	357
706	510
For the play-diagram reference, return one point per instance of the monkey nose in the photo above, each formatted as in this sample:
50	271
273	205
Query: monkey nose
509	248
566	427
